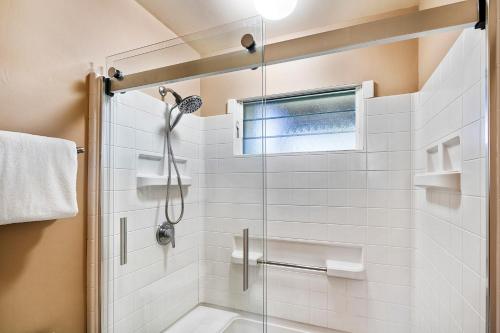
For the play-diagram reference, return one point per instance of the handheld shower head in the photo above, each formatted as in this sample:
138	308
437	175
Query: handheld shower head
190	104
186	105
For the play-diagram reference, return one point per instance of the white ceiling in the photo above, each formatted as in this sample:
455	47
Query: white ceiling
187	16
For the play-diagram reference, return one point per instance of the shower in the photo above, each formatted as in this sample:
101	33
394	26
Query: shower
166	232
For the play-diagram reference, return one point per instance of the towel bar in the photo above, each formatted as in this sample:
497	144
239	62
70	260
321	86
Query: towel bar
333	268
286	264
80	150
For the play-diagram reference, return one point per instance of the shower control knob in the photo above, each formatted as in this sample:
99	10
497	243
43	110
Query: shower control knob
165	234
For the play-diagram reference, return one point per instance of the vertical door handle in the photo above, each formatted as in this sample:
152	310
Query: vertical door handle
123	241
245	259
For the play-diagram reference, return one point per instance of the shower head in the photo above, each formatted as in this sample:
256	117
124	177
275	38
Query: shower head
186	105
190	104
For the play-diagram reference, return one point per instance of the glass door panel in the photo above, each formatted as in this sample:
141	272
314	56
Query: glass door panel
202	272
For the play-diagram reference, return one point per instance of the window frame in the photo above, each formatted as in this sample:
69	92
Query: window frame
363	91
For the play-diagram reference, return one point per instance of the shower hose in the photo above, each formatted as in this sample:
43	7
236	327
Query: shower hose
171	161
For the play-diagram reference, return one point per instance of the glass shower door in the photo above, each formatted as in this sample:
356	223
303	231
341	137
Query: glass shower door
201	274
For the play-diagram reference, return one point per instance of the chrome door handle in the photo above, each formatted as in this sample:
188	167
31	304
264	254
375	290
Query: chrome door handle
123	241
245	259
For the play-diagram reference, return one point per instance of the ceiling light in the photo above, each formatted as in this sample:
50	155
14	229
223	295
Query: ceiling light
275	9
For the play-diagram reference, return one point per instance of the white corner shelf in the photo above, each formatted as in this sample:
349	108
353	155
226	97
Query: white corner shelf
155	180
445	179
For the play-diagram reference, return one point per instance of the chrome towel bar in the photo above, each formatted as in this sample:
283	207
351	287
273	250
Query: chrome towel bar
80	150
290	265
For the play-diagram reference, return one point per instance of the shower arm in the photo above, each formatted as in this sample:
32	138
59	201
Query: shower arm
164	91
178	99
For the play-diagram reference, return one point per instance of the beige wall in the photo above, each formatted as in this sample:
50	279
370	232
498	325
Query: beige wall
393	67
432	49
396	68
45	50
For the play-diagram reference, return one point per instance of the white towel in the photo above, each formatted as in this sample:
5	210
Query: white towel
37	178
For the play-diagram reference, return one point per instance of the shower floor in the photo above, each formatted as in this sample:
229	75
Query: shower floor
207	319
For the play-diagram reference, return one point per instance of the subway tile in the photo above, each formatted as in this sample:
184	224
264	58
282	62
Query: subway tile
471	172
400	122
346	234
377	142
471	214
378	235
472	104
399	161
377	161
399	103
377	106
471	288
379	124
378	217
378	179
125	115
124	136
471	253
143	140
471	137
400	141
124	158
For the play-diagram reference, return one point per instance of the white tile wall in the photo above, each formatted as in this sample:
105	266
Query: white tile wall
350	197
231	189
425	250
140	293
449	270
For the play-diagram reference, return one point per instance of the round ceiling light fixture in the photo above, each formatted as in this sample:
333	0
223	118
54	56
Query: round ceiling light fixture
275	9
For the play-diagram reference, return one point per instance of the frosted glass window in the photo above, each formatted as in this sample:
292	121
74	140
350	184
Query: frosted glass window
323	121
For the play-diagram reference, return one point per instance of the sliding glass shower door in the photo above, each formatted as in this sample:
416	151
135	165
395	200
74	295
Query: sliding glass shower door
202	273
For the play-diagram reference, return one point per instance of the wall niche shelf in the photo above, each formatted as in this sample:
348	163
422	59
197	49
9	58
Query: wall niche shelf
155	180
443	166
449	180
151	170
337	260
